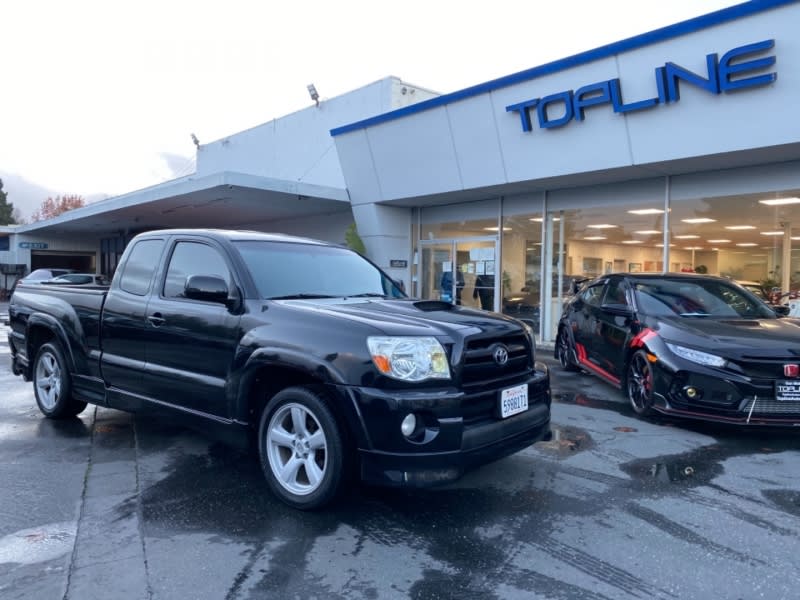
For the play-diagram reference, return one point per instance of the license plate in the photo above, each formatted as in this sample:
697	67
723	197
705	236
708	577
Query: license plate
514	400
787	390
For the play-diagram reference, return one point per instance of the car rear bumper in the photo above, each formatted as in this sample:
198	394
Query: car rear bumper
452	437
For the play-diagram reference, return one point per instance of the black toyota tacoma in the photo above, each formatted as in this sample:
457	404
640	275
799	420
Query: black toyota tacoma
303	348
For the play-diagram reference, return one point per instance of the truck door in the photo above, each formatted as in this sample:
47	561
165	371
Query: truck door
123	317
190	343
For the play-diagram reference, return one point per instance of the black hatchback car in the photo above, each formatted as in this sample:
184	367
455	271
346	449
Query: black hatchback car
688	345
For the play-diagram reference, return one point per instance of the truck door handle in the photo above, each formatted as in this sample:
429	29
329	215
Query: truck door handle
156	320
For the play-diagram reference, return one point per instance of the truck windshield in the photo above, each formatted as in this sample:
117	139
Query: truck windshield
285	270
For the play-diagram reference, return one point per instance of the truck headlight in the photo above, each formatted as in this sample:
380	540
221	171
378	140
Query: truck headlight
409	358
697	356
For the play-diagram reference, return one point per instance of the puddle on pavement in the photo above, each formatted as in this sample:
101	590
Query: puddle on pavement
567	440
37	545
697	467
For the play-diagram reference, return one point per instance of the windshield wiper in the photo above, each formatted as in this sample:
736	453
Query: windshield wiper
301	297
694	314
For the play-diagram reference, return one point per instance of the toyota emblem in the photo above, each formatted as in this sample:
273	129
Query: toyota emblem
500	354
791	370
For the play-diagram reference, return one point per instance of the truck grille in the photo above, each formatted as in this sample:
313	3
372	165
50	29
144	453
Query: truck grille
478	364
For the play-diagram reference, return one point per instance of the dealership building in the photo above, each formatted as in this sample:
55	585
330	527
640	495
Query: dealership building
674	150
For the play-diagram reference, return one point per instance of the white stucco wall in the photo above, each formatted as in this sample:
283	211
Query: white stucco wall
299	147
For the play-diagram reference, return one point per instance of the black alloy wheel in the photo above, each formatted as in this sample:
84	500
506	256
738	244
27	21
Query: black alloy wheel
640	384
565	351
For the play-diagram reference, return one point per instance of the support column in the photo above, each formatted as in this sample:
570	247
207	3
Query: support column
386	233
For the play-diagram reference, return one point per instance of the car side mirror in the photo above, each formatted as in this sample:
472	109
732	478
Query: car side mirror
782	310
207	288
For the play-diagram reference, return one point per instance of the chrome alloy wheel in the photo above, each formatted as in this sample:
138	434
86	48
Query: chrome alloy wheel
48	380
297	449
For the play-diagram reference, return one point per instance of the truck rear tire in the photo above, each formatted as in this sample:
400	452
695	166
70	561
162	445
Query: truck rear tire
52	384
302	448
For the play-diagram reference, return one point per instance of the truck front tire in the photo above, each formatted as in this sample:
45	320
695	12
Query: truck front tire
302	448
52	384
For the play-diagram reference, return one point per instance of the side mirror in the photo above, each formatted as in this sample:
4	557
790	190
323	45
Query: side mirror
207	288
782	310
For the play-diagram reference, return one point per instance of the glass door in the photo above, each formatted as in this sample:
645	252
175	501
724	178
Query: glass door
461	271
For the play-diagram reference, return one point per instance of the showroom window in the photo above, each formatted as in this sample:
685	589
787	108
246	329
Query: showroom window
752	237
553	240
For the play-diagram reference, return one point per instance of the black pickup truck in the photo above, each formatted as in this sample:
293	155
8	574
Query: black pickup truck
304	349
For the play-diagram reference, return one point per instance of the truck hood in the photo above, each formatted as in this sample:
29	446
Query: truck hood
410	317
732	337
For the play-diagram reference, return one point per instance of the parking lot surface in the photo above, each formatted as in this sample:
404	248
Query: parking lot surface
110	505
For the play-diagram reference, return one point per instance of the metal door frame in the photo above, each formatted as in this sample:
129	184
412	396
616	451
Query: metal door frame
498	281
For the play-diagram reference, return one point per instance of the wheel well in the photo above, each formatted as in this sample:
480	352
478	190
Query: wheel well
270	380
37	336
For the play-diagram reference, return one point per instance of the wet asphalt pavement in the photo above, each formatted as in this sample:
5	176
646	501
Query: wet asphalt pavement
112	506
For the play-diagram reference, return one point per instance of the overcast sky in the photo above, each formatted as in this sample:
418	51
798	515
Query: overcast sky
102	96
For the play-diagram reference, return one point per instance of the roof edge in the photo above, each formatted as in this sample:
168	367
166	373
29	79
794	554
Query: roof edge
724	15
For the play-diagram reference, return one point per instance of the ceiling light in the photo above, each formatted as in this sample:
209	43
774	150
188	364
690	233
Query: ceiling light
693	248
539	219
686	237
601	226
771	233
718	241
594	238
699	220
739	227
495	228
780	201
632	242
796	237
646	211
647	232
746	244
662	245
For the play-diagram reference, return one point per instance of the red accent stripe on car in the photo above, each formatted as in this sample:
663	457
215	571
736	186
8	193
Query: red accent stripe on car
584	361
640	339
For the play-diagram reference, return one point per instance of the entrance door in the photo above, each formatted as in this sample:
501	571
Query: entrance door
461	272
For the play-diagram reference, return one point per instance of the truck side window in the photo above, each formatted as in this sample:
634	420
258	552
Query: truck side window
193	258
140	266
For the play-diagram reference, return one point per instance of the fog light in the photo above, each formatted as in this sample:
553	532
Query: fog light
409	425
692	393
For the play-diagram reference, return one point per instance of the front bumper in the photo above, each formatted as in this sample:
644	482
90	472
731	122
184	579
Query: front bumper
725	397
459	430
